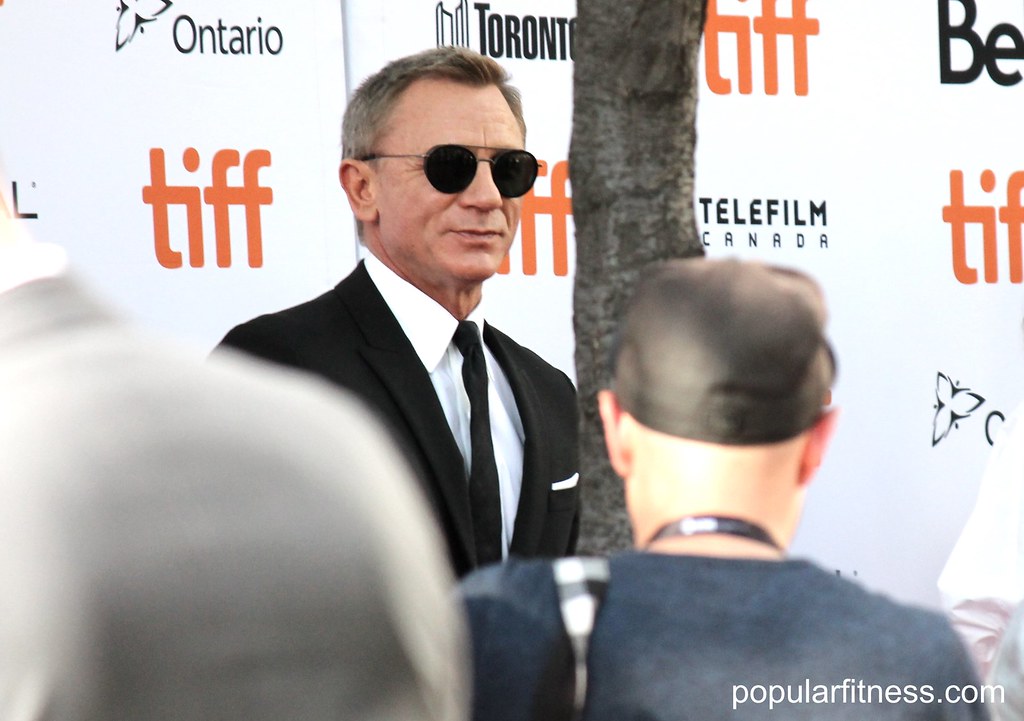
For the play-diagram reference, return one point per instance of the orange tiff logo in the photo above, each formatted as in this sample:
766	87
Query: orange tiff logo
559	206
958	214
219	195
769	25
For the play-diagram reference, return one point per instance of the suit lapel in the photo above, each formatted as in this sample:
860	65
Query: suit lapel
533	495
392	357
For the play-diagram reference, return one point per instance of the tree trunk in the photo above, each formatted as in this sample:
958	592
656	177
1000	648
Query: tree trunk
631	166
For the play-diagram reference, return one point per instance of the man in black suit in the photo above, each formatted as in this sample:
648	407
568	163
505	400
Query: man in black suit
434	171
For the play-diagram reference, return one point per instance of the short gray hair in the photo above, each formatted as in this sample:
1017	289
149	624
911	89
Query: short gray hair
374	100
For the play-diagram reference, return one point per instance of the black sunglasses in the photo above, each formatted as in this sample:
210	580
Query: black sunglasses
451	168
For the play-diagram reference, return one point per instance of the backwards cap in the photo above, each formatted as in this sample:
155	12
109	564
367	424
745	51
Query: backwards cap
724	351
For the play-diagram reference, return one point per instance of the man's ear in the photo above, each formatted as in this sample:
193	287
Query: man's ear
620	450
818	438
360	184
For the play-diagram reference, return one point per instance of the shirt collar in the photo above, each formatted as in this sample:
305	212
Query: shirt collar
24	262
426	323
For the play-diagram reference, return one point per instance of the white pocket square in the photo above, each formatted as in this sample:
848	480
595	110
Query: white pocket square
569	482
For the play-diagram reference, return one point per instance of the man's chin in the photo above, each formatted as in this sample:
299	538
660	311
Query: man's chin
478	270
470	281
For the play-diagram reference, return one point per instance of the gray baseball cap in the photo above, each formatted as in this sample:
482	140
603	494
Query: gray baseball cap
724	351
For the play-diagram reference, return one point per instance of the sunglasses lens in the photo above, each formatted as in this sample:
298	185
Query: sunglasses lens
450	168
514	172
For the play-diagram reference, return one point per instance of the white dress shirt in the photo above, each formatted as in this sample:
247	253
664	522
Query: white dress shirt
430	327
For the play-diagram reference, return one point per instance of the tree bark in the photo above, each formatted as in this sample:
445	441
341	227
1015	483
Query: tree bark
631	166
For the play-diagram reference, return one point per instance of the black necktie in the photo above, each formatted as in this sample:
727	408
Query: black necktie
484	501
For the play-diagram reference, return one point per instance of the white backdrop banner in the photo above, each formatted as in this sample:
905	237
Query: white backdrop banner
831	138
185	153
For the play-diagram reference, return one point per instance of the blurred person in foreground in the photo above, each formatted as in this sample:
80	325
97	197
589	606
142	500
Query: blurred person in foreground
434	170
184	541
716	419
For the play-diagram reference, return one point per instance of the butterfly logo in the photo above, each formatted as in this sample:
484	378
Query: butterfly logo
952	404
133	14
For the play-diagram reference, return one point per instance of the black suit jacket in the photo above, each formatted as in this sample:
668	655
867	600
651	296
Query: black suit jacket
350	336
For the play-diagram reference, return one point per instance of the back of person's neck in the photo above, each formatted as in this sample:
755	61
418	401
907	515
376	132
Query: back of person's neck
672	480
712	528
775	518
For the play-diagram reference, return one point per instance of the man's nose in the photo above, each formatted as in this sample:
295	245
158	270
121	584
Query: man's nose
482	191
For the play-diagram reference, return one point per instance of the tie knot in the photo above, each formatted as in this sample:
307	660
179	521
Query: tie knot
466	337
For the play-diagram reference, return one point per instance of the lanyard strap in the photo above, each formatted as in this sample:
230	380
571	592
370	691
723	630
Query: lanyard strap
701	525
